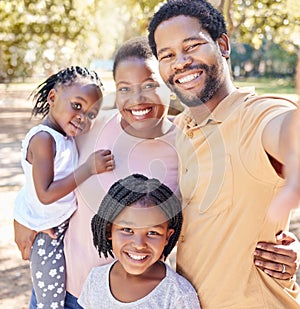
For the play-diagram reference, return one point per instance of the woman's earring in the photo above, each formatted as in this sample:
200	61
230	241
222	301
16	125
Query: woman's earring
173	96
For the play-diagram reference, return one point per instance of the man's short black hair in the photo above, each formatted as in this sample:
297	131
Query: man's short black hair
209	18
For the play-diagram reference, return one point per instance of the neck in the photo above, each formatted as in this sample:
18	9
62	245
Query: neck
201	112
158	130
51	123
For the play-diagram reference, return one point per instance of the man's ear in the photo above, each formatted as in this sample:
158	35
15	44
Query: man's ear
51	96
224	45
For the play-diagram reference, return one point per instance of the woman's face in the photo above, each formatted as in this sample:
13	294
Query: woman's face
141	96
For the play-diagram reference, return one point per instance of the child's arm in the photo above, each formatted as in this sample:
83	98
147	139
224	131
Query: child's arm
41	153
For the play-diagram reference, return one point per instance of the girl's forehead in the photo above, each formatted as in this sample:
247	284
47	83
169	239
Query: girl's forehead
141	216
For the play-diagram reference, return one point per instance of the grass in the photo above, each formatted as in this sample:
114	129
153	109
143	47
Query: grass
262	85
269	85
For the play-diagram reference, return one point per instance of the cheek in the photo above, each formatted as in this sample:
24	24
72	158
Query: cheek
87	127
120	101
164	70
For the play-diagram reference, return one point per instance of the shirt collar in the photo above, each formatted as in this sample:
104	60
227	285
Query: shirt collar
222	110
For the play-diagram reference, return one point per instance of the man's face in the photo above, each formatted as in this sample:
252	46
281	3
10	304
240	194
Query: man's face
190	62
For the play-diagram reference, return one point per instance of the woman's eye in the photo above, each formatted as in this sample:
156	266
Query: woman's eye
76	106
150	85
124	89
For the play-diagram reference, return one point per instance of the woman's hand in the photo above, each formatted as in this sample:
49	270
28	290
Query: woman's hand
280	260
24	238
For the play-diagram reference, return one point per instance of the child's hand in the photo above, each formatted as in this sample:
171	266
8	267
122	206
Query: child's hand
50	233
101	161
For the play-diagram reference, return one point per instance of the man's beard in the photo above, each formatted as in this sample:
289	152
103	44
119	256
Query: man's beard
213	80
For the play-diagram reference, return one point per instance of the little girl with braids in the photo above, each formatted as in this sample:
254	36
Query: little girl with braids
138	222
68	101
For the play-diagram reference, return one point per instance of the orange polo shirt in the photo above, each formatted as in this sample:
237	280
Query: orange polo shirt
227	184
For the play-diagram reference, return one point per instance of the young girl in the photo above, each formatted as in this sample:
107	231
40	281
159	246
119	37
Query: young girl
68	101
138	222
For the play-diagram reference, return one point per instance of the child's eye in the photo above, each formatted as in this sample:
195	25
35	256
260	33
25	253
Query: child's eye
76	106
127	230
92	116
153	233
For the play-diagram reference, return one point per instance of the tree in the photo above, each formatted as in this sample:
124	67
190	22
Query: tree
38	35
271	27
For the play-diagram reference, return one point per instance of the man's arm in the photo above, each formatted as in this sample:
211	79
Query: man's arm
287	151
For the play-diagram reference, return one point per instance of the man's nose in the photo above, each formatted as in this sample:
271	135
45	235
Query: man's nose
181	62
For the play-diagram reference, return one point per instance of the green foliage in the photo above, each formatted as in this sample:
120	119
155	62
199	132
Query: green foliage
38	37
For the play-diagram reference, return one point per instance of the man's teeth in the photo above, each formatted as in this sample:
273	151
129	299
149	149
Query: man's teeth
137	257
188	78
140	112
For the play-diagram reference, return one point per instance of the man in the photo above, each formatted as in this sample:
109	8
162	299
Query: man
232	147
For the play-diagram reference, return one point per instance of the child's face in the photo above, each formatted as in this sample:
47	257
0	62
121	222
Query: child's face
74	107
139	235
141	96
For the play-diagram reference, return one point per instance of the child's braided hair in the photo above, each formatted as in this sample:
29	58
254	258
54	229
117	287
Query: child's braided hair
124	193
66	76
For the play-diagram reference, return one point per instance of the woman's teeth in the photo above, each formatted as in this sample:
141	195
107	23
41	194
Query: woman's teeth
140	112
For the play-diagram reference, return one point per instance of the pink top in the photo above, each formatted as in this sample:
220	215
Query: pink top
152	157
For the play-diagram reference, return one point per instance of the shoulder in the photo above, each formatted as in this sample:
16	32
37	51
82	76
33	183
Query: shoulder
262	102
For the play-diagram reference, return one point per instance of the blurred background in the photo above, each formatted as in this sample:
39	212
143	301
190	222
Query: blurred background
39	37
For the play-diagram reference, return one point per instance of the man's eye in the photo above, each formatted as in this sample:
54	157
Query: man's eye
76	106
165	57
191	47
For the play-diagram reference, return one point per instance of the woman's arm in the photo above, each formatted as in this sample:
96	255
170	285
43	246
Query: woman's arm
24	238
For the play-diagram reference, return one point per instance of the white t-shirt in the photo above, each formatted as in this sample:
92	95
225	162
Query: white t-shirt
28	209
174	291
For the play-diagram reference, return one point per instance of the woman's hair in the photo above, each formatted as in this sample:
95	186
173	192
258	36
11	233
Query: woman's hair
209	18
137	47
124	193
66	77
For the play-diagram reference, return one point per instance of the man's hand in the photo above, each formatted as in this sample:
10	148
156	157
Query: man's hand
280	260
